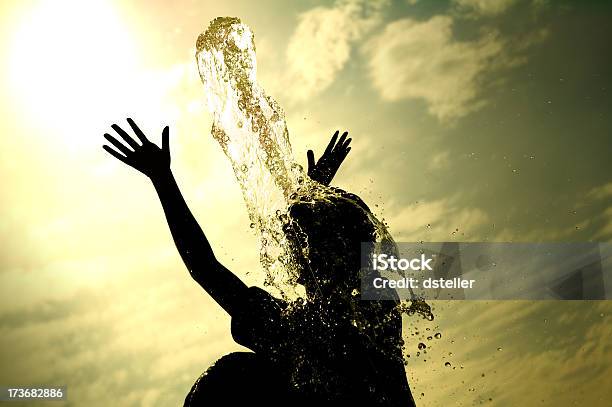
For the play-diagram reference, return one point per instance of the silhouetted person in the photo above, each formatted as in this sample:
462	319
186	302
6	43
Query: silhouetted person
328	349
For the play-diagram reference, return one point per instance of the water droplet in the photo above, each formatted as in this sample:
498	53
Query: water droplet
421	345
499	349
438	335
447	364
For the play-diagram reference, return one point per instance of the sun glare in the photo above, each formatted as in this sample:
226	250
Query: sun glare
67	59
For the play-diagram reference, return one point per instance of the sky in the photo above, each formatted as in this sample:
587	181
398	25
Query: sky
471	120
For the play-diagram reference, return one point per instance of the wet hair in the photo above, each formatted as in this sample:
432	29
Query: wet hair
330	230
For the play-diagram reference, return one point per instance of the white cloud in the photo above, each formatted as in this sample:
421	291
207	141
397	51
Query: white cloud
420	60
322	42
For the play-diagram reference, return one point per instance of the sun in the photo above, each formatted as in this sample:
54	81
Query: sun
67	59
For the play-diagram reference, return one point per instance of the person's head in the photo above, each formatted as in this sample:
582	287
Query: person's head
331	229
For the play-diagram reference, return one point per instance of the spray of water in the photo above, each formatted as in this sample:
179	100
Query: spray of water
251	129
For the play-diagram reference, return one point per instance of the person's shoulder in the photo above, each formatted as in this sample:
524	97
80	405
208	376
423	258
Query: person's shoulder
259	321
257	297
258	291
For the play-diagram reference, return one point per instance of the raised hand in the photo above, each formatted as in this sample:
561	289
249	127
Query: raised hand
323	171
146	157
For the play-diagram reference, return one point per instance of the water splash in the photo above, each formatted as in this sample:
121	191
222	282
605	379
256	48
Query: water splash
251	129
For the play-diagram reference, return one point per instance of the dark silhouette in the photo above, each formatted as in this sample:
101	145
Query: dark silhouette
327	349
327	166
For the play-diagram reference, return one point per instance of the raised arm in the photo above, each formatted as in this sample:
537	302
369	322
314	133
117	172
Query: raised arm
225	287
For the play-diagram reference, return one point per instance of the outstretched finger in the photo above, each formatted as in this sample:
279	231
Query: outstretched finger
311	160
346	144
339	158
343	155
125	136
137	131
115	154
166	139
341	141
117	144
332	142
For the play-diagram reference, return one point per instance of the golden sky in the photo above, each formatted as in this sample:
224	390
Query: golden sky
486	120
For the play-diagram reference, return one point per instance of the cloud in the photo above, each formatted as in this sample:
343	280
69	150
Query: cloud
421	60
434	221
605	232
322	43
601	192
484	7
491	8
501	345
599	197
140	335
439	160
493	346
